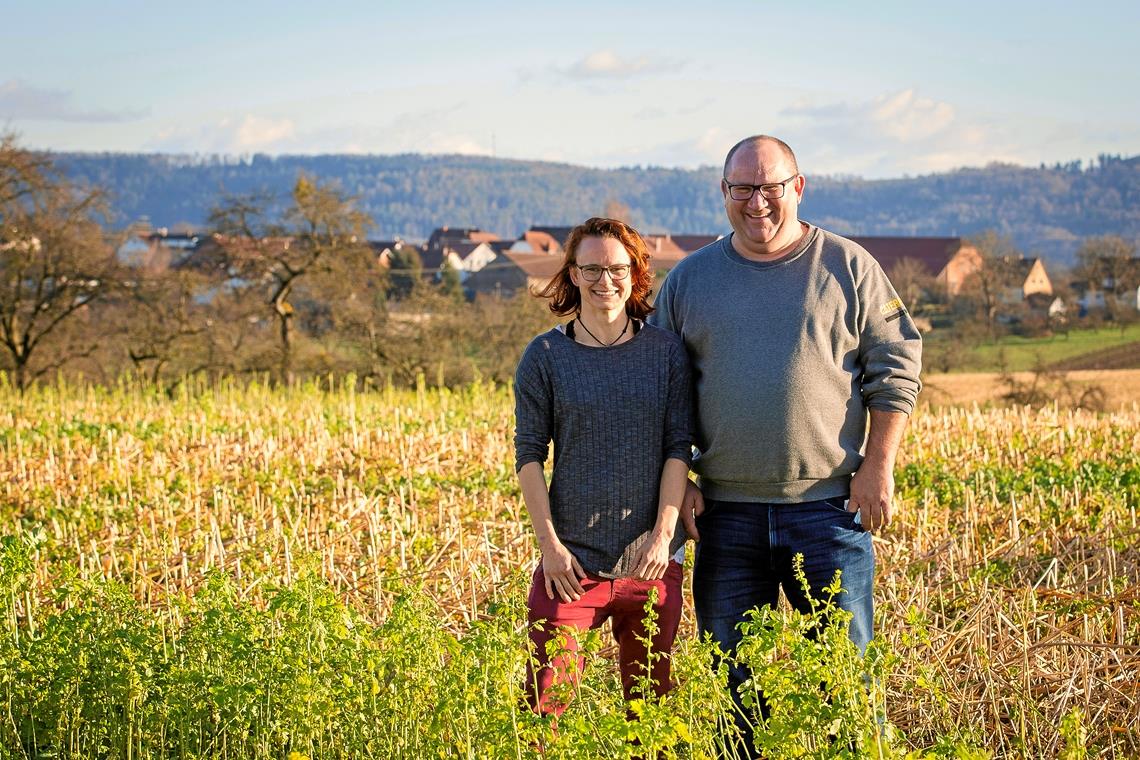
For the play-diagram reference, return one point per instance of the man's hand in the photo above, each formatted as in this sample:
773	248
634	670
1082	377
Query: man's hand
652	558
872	493
873	484
692	507
562	573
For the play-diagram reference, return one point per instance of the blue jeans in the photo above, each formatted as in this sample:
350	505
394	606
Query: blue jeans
745	556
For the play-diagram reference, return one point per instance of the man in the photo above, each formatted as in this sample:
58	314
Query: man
805	364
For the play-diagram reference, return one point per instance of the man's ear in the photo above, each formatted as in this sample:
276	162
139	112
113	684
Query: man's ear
800	184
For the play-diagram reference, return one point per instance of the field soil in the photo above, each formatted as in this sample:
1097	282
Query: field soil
1121	386
1116	357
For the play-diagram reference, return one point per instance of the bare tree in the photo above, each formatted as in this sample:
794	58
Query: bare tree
21	171
1109	262
913	282
988	289
615	209
55	262
169	323
320	226
406	272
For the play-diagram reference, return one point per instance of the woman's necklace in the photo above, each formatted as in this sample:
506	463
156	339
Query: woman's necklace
595	337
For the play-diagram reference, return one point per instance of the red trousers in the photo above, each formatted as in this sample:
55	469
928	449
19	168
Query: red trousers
623	600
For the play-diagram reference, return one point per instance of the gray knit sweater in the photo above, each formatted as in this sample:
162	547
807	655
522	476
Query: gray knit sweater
615	415
788	356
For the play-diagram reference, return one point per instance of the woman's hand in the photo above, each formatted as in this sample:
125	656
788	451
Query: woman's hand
562	573
652	559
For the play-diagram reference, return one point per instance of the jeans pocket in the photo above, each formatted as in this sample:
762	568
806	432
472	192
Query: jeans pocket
840	504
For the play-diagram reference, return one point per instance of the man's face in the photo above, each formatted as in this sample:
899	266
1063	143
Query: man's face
763	226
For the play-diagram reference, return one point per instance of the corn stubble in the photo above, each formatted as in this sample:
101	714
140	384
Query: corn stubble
242	571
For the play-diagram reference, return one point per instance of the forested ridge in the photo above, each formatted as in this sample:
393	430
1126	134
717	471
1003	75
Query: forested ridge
1046	210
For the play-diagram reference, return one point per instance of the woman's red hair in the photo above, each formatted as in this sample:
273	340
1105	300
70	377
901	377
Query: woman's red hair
565	298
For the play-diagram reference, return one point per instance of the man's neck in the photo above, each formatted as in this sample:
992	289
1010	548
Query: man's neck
776	254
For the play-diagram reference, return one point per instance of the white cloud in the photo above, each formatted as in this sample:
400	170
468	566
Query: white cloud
606	64
249	134
255	133
449	143
426	132
714	144
909	118
902	115
892	134
20	100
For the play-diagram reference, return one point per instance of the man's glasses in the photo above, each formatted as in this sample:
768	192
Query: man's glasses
593	272
771	191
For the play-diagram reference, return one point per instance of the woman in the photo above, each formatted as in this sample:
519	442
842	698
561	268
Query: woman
613	394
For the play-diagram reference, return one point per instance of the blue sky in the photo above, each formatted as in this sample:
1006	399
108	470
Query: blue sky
871	89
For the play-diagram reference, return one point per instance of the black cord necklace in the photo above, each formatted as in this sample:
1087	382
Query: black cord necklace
595	337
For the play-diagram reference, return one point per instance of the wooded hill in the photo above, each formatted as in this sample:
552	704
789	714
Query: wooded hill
1046	210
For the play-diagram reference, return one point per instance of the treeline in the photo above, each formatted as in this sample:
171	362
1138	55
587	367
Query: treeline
285	287
1045	210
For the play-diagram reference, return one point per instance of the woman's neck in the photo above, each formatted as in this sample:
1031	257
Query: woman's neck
606	328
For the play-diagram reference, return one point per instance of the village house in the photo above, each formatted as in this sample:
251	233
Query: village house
486	263
1031	285
383	250
512	271
466	249
158	250
949	260
1119	285
691	243
542	240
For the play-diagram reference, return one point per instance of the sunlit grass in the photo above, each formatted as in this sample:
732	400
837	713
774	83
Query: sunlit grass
245	519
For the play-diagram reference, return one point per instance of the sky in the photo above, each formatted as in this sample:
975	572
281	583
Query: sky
873	89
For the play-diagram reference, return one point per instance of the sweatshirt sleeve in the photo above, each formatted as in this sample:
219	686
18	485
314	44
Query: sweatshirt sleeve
890	346
678	439
534	412
662	315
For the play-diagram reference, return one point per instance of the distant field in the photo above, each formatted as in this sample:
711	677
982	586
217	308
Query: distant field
1116	348
1121	387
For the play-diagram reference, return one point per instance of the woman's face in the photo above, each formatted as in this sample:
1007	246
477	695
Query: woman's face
606	293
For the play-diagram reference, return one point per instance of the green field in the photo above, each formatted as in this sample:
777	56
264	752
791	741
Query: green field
248	572
1018	354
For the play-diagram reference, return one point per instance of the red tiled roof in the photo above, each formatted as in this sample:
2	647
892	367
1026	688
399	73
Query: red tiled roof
542	242
690	243
558	234
934	253
442	236
513	271
535	264
664	253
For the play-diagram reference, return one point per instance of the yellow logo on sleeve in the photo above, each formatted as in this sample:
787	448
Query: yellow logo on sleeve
892	309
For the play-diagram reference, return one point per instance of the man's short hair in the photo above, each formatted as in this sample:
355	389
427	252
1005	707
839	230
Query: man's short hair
758	139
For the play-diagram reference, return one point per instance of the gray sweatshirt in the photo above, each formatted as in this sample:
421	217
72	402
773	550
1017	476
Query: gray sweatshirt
787	358
615	415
